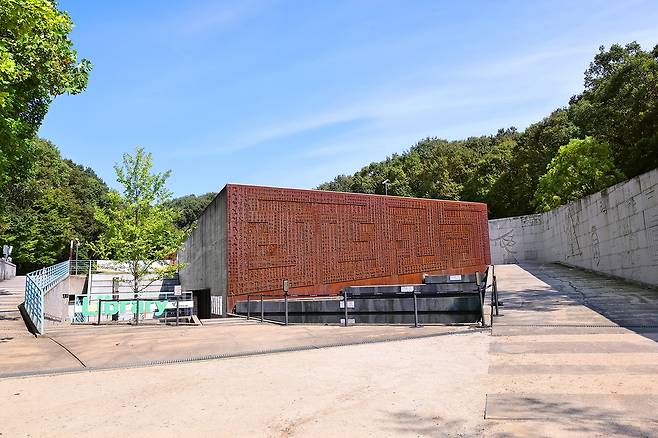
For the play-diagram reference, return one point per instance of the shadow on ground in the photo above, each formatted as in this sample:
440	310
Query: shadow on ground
581	419
625	304
406	422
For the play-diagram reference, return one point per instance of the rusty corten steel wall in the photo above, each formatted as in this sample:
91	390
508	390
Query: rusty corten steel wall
322	241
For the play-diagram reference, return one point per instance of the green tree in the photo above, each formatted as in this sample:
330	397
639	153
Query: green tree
535	149
484	183
581	167
87	192
138	226
37	63
342	183
620	105
51	205
188	208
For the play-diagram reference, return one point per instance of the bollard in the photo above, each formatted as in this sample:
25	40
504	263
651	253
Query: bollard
262	312
285	298
415	310
345	305
248	306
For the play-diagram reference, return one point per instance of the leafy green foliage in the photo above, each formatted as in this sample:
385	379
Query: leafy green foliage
432	168
580	168
48	207
189	208
535	148
618	109
436	168
138	226
620	105
37	63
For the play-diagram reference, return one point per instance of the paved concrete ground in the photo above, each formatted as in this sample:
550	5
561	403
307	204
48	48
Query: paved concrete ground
574	354
80	347
423	387
20	350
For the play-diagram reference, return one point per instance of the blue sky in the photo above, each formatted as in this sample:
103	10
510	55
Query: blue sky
292	93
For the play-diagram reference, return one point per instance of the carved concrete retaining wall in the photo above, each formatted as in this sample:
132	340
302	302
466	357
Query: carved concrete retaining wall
614	231
7	270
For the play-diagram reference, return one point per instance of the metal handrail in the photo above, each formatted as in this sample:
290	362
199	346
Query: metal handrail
37	283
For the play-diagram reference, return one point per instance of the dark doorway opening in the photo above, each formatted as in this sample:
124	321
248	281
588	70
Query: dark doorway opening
202	303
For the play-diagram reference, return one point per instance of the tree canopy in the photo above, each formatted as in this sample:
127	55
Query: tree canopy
580	168
37	63
188	208
614	119
53	204
620	105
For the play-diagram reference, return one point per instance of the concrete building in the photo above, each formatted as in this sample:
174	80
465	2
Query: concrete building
251	239
614	231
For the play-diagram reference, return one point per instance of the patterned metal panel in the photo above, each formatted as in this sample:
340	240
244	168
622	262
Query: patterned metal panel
322	241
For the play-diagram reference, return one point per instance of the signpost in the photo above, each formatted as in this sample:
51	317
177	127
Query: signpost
286	286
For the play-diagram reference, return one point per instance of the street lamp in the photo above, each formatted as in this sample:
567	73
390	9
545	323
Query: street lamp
386	182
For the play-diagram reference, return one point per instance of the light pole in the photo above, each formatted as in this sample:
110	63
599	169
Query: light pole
386	182
77	246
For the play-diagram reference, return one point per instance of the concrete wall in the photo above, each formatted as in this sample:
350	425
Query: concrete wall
614	231
7	270
204	254
56	302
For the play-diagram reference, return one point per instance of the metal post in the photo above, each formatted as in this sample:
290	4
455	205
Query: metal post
415	310
77	246
285	298
262	311
494	288
137	313
99	311
177	314
345	306
248	306
478	279
491	307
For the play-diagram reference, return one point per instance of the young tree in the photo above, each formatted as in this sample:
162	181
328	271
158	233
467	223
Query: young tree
139	228
580	168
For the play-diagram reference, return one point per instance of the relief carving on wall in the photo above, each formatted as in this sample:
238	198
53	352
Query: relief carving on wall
507	243
571	225
596	250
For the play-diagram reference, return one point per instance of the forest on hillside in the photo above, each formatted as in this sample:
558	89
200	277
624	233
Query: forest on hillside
605	134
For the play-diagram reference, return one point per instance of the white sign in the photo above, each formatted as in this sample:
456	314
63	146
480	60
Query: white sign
178	290
407	289
455	277
350	304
